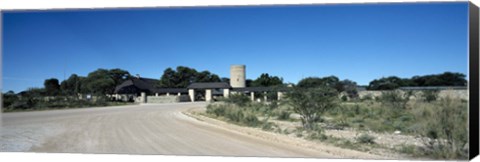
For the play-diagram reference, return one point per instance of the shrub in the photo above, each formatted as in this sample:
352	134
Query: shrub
311	103
299	134
9	98
317	136
395	99
22	104
344	98
367	97
216	110
238	99
234	114
395	102
407	149
340	126
268	126
250	119
430	95
446	132
284	115
366	139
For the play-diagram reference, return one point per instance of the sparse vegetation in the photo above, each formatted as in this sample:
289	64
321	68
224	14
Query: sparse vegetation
407	149
396	100
284	115
438	122
234	113
430	95
311	103
366	139
444	79
238	99
35	103
445	129
315	103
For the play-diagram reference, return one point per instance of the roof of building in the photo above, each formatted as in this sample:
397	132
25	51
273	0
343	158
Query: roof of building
137	85
170	90
209	85
134	85
259	89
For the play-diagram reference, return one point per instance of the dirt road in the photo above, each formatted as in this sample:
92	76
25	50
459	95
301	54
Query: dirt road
138	129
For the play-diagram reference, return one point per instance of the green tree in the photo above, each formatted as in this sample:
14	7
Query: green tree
444	79
184	76
388	83
248	82
72	85
169	78
9	98
265	80
206	76
52	87
81	86
99	82
311	103
33	92
329	81
28	99
350	87
310	82
119	76
226	80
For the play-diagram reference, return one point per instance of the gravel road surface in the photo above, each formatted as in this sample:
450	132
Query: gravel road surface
136	129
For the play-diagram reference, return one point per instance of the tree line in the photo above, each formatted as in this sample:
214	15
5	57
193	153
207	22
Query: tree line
65	94
104	81
394	82
98	82
184	76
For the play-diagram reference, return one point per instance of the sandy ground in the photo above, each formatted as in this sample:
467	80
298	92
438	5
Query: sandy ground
389	140
143	129
291	140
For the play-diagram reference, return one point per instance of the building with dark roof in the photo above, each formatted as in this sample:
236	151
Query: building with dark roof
139	86
149	86
214	85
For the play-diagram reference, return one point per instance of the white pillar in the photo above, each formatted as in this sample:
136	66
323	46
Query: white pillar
208	95
279	95
252	96
265	96
156	94
226	92
168	94
143	98
191	93
178	94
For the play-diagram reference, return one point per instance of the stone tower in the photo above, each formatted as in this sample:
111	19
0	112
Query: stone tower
237	76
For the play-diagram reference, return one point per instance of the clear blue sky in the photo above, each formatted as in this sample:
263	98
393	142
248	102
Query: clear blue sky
357	42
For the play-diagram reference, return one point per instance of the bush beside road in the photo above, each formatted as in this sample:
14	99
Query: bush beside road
434	128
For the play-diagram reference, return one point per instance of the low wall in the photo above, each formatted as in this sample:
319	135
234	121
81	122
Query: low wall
162	99
461	94
452	93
